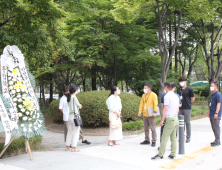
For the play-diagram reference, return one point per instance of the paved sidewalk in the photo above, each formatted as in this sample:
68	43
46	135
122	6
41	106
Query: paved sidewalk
129	155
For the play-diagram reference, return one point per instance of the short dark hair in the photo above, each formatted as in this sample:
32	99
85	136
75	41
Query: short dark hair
215	83
173	84
182	78
168	85
148	85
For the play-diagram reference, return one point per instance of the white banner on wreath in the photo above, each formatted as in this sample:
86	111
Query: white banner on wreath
7	55
28	84
6	122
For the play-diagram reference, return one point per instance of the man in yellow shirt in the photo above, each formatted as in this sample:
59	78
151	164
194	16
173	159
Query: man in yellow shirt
149	99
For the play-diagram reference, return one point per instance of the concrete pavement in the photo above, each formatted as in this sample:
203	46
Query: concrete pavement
129	155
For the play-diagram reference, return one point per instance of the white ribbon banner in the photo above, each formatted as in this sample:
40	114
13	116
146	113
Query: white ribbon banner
25	76
5	122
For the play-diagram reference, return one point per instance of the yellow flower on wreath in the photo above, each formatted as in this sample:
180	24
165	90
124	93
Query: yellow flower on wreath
29	107
22	86
28	103
19	83
16	86
14	71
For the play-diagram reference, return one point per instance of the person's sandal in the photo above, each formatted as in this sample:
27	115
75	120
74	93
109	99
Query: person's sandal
75	150
67	149
116	143
110	144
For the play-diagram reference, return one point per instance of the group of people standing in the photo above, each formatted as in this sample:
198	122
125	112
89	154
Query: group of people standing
173	104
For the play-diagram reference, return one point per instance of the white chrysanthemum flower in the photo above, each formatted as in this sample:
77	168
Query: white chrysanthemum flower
29	119
24	118
23	90
11	87
27	113
18	90
9	78
24	95
33	117
22	125
15	99
30	125
13	91
10	82
20	114
19	100
31	112
14	79
22	110
20	106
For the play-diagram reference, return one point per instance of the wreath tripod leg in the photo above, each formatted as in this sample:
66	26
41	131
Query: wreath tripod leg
27	147
4	149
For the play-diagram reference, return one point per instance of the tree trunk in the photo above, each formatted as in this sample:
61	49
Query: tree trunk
114	76
84	84
93	71
170	45
43	96
176	61
51	89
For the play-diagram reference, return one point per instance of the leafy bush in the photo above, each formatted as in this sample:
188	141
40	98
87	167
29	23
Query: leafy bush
203	91
133	125
18	145
54	111
95	113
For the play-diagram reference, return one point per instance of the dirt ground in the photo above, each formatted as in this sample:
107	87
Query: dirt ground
99	131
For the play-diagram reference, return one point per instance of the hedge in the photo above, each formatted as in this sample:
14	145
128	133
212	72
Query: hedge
95	113
202	91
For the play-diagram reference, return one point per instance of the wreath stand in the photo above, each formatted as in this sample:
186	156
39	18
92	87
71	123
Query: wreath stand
27	147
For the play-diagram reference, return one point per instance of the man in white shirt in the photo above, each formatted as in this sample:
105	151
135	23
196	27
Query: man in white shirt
170	112
63	107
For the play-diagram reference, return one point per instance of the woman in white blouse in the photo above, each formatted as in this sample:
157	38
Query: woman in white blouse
114	106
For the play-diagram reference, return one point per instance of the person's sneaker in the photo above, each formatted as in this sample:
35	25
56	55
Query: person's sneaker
157	157
188	140
215	144
145	142
158	148
171	157
153	144
86	142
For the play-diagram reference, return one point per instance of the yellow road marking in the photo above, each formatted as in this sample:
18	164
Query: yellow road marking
184	159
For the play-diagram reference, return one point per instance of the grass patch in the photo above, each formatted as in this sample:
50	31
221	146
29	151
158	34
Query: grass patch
198	111
18	146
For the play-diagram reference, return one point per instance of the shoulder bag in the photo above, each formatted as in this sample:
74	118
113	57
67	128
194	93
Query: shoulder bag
115	121
77	119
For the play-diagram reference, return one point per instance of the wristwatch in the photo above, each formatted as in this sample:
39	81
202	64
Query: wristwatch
215	113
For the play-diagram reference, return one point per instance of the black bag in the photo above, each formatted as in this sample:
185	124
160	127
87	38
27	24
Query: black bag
78	121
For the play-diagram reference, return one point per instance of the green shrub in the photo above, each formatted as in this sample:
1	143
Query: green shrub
202	91
54	111
18	145
132	125
198	98
94	111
